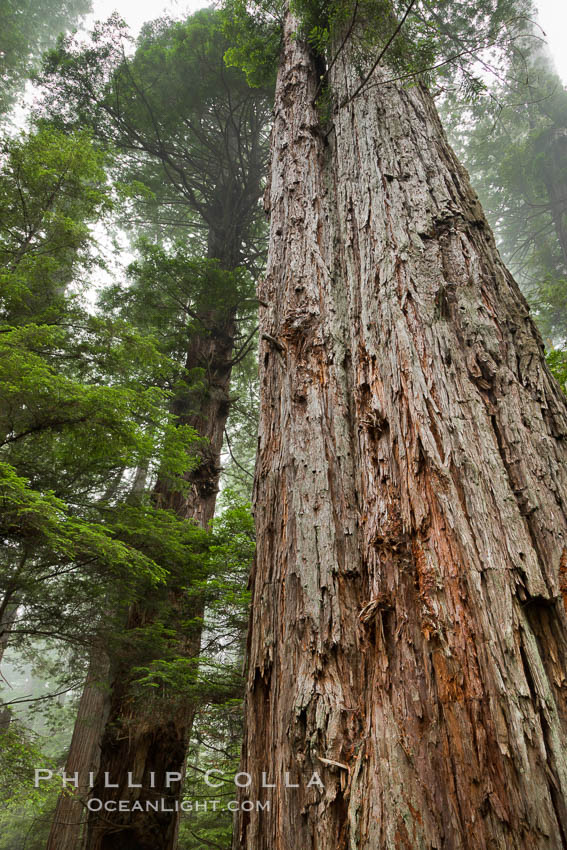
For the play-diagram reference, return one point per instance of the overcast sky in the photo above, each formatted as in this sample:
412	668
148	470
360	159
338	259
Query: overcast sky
552	18
137	12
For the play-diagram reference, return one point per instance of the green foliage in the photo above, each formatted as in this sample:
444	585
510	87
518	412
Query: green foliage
209	575
28	28
66	433
253	32
216	747
52	186
26	826
545	283
190	132
173	292
231	551
50	404
45	522
557	362
20	803
426	39
84	403
241	437
217	733
20	754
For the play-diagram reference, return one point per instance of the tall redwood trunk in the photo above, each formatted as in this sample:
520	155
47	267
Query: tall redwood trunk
150	747
408	636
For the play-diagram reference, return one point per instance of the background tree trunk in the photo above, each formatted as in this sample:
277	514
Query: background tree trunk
8	614
408	632
84	755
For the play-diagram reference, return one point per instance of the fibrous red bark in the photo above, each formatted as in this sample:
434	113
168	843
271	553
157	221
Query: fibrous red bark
408	637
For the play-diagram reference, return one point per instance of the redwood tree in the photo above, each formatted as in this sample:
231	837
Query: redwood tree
193	132
408	636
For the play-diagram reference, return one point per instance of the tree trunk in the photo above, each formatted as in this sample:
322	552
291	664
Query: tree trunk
8	614
84	755
150	747
408	634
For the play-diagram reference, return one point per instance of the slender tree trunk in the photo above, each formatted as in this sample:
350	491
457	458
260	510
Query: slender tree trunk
84	755
408	635
8	614
5	718
148	748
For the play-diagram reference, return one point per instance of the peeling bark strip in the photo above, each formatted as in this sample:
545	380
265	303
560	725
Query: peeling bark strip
411	494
